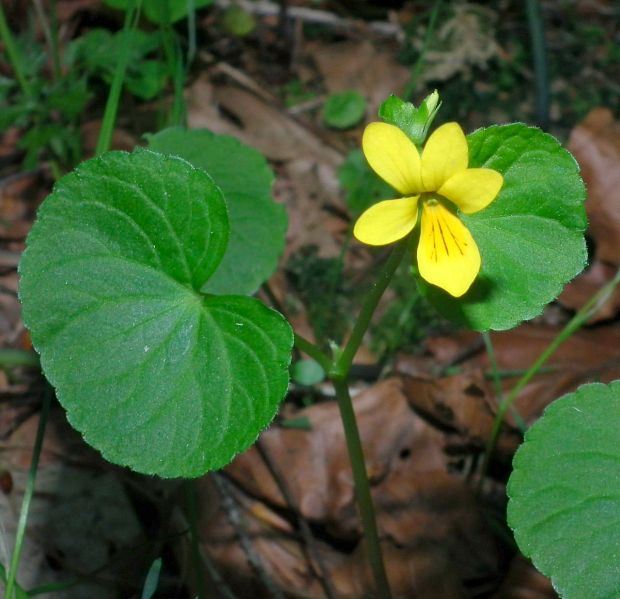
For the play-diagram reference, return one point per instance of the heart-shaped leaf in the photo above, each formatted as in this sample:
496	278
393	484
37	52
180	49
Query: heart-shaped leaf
257	224
531	237
155	375
565	493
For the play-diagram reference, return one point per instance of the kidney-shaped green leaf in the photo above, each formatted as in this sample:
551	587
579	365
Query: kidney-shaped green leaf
565	493
154	374
531	237
257	224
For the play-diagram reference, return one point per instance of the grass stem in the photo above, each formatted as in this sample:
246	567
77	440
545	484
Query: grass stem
28	493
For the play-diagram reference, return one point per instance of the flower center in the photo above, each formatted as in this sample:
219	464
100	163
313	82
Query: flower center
432	199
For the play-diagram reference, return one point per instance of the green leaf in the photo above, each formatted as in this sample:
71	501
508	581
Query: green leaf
413	121
257	224
363	187
565	493
155	375
161	11
307	372
238	21
531	237
344	110
152	580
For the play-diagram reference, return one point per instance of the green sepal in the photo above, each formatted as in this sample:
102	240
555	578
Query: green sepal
413	121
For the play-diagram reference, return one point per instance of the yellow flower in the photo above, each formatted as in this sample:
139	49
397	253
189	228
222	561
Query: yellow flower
437	182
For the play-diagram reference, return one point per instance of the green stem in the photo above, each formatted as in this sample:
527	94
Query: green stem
18	357
497	380
28	492
343	363
362	488
419	63
589	309
111	108
192	516
174	60
537	37
14	55
313	351
191	32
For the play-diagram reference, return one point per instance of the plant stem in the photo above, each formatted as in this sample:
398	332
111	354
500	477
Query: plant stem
18	357
313	351
176	68
362	488
419	63
537	37
28	492
14	55
345	360
192	516
191	32
497	380
589	309
109	116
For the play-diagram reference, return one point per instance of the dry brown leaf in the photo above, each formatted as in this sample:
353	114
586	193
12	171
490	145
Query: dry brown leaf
579	291
524	582
256	122
359	65
430	522
596	145
463	403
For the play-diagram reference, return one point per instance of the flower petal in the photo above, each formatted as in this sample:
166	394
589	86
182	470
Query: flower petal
387	221
472	189
447	253
445	154
393	156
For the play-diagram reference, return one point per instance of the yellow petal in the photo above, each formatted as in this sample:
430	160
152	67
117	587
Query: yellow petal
445	154
387	221
447	253
472	189
393	156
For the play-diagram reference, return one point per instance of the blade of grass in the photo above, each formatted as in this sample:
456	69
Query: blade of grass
191	32
28	492
111	108
539	55
416	69
14	56
18	357
590	308
497	381
152	580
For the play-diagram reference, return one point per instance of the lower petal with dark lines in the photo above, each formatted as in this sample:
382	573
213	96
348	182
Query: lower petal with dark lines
447	253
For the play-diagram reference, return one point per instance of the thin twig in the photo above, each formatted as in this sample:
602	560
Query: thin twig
234	517
313	15
312	554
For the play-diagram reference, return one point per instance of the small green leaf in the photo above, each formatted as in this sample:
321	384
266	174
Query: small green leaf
565	493
531	237
257	224
152	580
344	110
238	21
413	121
155	375
307	372
161	11
362	185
